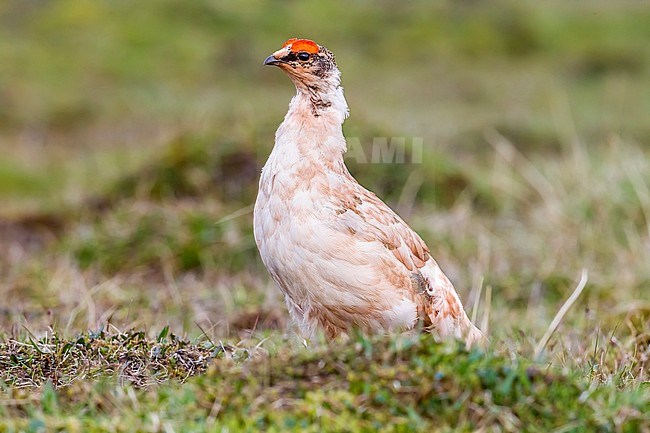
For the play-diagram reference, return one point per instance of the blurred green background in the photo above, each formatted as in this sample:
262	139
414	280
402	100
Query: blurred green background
91	89
132	134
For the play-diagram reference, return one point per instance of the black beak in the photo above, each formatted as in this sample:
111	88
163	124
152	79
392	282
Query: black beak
270	60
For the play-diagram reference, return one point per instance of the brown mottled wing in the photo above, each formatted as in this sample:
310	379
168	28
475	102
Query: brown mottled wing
436	297
366	217
363	214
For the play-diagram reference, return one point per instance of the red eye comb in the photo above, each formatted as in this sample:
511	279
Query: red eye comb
301	45
289	42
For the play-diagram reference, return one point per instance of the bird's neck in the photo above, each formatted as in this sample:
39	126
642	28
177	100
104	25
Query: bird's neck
311	132
324	98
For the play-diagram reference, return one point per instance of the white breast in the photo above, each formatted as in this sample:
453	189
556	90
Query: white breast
321	270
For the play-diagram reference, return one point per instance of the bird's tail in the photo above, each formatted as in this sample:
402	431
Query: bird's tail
474	336
447	318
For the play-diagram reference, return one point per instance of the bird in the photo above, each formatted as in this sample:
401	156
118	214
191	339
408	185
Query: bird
343	259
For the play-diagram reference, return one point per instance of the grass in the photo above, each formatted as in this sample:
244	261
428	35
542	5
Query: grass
131	140
127	355
382	384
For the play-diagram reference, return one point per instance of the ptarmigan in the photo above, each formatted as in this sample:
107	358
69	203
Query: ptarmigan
341	256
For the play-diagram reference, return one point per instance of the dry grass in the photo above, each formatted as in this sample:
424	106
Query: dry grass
127	356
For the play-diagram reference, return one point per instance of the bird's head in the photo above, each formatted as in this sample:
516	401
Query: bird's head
309	65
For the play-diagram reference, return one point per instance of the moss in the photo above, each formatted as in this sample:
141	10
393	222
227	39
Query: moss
395	384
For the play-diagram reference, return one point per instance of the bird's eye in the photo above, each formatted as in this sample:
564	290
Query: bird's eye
303	56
